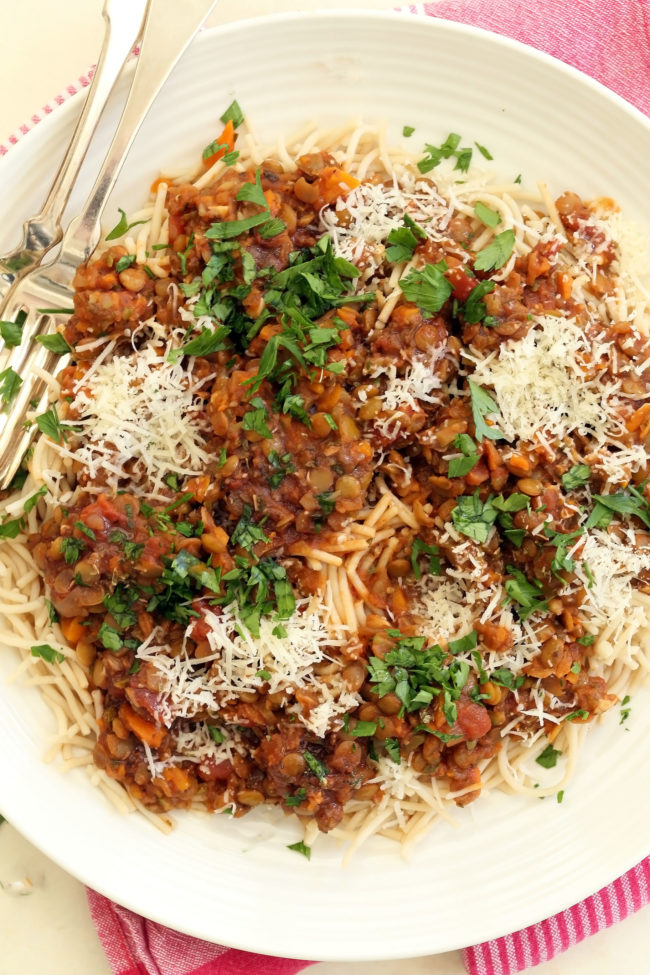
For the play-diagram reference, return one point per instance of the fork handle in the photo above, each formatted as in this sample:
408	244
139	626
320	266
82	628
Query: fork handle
169	27
123	24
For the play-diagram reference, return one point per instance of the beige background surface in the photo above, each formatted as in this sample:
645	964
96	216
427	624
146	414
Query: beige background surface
46	44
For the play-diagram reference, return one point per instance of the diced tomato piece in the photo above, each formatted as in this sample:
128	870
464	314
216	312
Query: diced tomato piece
473	719
461	282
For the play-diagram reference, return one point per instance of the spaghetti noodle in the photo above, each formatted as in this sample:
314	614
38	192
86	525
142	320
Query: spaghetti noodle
340	504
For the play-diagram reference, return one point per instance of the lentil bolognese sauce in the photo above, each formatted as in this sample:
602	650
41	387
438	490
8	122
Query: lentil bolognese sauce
340	504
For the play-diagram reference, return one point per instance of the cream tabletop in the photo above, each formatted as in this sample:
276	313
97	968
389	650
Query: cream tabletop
46	45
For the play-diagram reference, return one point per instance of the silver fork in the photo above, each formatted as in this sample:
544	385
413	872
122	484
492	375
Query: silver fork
169	27
41	232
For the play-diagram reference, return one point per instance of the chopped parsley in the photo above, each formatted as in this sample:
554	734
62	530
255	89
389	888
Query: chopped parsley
474	310
576	477
54	342
484	152
548	758
402	241
12	332
450	147
629	502
421	548
50	424
529	596
625	710
122	226
496	253
11	528
280	467
319	769
125	262
10	383
483	405
364	729
416	674
299	796
72	548
487	216
427	287
233	114
246	532
46	652
392	749
301	848
255	419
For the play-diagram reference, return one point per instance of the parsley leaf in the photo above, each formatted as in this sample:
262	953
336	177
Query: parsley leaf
578	475
483	405
255	419
473	518
484	152
233	113
299	796
12	332
253	192
427	287
246	533
71	549
421	548
272	228
46	652
497	252
228	229
54	343
122	226
364	729
110	637
319	769
475	310
125	262
392	748
11	528
489	217
32	501
460	466
49	424
631	502
548	758
10	383
301	848
506	678
528	595
402	243
205	343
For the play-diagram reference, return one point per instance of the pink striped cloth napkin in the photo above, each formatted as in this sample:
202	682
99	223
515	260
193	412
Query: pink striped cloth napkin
613	46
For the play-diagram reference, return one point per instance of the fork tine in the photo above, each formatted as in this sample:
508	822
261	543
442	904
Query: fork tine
32	396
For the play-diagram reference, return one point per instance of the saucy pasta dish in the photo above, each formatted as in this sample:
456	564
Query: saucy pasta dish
340	504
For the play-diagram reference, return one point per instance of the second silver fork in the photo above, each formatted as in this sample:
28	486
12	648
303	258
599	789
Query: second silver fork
122	24
169	27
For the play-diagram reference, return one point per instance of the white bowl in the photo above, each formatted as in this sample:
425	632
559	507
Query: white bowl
512	861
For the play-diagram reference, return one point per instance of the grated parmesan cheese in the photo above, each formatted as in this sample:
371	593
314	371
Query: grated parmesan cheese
550	384
606	567
372	210
189	686
141	411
